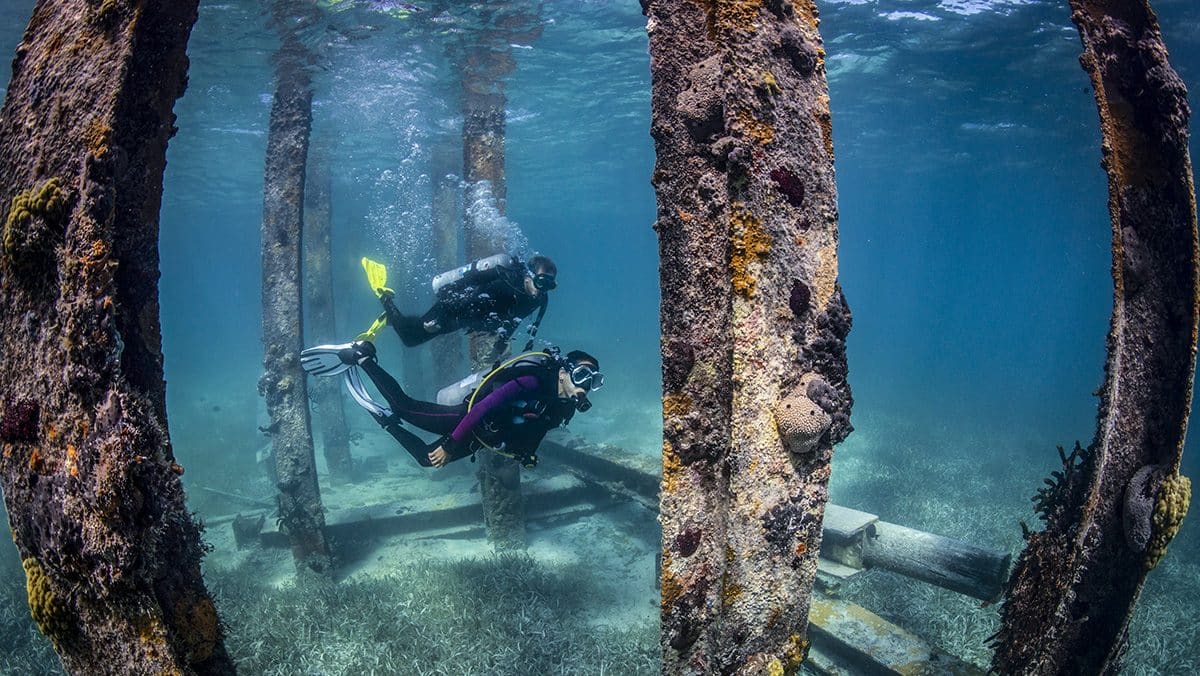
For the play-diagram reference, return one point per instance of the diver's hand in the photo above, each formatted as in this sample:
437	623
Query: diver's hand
439	457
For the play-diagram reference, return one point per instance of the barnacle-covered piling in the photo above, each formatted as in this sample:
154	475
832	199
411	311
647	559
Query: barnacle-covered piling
483	165
1116	503
484	65
283	383
753	326
110	553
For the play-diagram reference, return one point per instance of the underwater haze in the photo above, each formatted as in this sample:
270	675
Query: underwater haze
975	257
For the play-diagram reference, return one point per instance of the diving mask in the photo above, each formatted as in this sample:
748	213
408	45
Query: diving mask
544	281
587	377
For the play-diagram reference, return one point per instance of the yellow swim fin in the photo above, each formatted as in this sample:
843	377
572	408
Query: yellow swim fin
376	276
376	326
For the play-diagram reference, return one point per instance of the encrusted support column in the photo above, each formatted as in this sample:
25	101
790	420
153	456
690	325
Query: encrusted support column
1115	505
753	326
483	162
318	292
283	383
483	151
92	489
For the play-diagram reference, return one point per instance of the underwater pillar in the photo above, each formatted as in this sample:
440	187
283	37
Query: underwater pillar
283	383
90	482
1114	506
483	160
318	292
753	327
444	167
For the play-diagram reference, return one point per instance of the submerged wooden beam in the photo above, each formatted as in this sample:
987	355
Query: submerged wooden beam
398	519
945	562
849	639
1115	505
92	489
753	326
283	383
484	65
320	326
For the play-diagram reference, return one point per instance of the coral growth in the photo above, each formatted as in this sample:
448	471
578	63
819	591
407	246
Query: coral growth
755	128
97	136
687	541
1172	506
800	300
800	420
787	520
750	243
198	627
20	421
34	225
677	405
1064	489
788	184
700	106
731	15
53	617
678	358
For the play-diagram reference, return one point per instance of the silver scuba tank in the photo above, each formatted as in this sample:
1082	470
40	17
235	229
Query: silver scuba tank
457	393
500	260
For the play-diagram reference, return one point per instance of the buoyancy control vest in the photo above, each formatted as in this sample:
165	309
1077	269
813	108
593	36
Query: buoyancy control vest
524	421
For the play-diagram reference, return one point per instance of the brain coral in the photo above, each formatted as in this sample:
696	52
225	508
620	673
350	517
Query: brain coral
801	422
1169	511
52	616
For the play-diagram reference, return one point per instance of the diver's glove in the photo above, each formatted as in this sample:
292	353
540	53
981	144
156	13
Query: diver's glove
358	352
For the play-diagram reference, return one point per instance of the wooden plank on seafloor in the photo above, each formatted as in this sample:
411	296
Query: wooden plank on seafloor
398	519
849	639
845	523
634	475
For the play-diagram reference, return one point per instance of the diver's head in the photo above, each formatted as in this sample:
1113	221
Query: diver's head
579	375
543	273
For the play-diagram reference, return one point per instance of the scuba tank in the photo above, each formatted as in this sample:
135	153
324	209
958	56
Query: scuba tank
457	393
472	272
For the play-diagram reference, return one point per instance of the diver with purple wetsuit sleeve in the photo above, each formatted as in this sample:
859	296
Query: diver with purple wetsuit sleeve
510	411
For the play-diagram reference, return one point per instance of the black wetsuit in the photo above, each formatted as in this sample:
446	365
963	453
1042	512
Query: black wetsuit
494	304
520	405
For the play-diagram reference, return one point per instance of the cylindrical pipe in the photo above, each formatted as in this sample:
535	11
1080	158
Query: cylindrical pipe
942	561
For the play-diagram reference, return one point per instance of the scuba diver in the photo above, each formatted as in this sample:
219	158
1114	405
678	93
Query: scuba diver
507	409
491	295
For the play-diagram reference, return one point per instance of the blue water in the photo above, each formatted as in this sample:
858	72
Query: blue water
974	231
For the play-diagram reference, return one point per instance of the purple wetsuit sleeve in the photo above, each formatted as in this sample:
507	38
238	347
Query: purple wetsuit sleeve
500	396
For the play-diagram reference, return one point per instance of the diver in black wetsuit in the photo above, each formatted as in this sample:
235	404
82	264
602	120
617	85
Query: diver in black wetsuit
510	410
491	295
